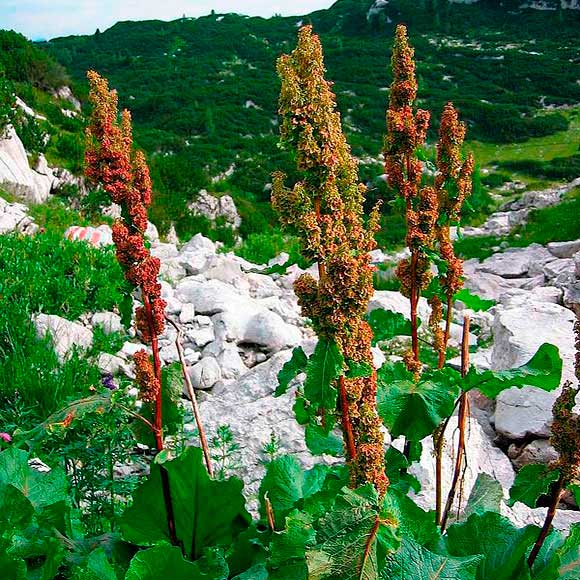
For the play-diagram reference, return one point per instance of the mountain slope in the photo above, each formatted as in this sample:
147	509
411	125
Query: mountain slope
203	91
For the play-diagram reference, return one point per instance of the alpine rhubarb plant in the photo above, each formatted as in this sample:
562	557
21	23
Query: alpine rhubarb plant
325	210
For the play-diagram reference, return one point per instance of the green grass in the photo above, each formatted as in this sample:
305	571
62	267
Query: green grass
558	223
48	274
561	144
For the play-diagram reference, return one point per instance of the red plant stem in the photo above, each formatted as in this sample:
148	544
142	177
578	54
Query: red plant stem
192	397
346	423
439	441
414	301
548	521
448	316
158	432
370	540
462	423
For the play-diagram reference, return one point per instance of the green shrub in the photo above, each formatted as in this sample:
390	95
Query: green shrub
49	274
260	248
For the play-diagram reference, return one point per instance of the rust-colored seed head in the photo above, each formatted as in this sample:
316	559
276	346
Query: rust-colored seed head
149	385
325	210
110	162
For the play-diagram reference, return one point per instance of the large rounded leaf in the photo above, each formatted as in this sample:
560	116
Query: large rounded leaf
413	409
207	512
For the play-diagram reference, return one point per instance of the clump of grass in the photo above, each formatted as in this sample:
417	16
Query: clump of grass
557	223
49	274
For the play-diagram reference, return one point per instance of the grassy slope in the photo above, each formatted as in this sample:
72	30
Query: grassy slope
187	83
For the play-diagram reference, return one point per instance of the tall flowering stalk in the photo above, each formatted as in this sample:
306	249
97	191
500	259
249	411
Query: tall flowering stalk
453	186
430	211
406	132
124	175
566	441
325	210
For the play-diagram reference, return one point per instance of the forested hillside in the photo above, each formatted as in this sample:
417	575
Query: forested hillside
203	92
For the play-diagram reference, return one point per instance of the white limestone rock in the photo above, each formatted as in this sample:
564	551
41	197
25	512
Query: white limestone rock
564	249
108	321
252	412
64	334
518	333
206	373
515	262
482	457
14	218
16	176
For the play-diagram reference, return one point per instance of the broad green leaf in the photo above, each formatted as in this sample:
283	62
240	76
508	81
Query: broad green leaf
292	368
16	511
575	490
288	548
320	503
396	465
358	369
352	538
167	562
413	409
98	566
472	301
486	496
42	489
543	370
387	324
569	554
10	567
257	572
321	443
207	512
414	562
414	522
248	551
324	366
41	550
286	483
531	482
547	562
504	546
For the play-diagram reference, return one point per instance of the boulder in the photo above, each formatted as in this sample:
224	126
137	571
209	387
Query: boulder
206	373
538	451
98	237
564	249
14	218
521	515
560	271
114	365
16	176
210	296
216	207
249	408
256	325
108	321
518	333
228	357
482	457
164	251
187	314
64	334
515	262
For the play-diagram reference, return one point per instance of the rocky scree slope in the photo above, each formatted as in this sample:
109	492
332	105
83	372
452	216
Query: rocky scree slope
240	326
